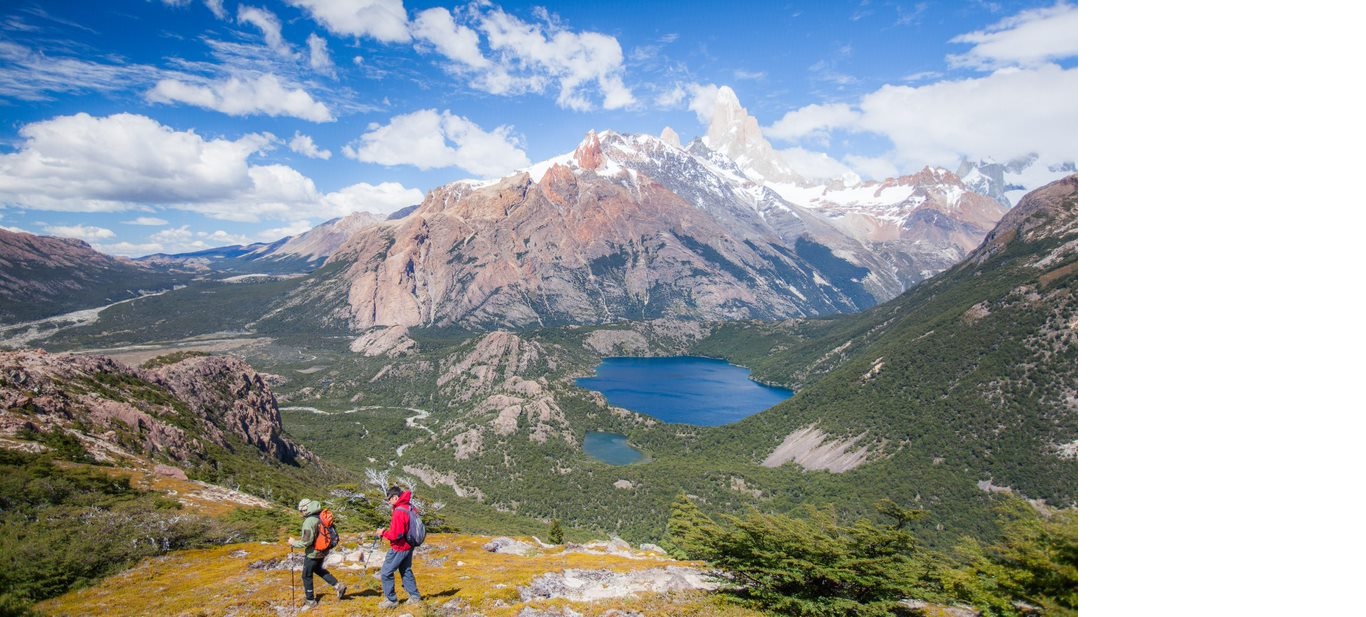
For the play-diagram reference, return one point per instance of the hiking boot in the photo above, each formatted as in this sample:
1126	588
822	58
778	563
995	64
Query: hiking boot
341	590
413	601
309	604
387	604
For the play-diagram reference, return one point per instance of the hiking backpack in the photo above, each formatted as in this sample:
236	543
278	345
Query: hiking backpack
327	538
417	532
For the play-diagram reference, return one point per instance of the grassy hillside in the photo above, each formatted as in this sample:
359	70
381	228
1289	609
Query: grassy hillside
454	574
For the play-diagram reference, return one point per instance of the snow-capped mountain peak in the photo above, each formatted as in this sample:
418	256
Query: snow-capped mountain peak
735	134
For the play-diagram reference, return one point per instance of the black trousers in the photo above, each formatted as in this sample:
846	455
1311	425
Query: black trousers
315	566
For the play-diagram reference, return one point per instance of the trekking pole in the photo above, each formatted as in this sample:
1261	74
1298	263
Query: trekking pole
289	569
371	553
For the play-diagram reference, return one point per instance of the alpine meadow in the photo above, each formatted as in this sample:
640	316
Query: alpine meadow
276	270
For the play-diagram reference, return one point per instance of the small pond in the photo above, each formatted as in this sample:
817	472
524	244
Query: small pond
610	448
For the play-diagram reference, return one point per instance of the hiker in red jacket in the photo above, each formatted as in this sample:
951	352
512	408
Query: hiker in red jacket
400	556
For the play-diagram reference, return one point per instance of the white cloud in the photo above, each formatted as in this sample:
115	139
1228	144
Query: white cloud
303	144
532	56
130	249
150	221
1004	115
873	167
456	42
671	98
814	164
812	120
29	75
384	198
216	7
1030	38
428	140
83	163
80	232
318	58
242	97
382	20
703	102
269	25
294	228
1026	105
126	162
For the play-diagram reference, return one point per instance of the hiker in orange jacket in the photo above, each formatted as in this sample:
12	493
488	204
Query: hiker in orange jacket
400	556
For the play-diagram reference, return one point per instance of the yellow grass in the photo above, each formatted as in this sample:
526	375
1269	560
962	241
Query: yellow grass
218	581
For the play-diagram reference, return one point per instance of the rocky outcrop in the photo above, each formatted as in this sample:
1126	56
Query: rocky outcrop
232	396
504	374
1048	212
592	585
392	342
172	413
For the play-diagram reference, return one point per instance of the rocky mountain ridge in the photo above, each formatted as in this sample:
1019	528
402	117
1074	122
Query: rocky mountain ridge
179	413
635	227
41	276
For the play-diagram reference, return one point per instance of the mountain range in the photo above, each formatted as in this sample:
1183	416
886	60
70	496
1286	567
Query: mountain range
623	227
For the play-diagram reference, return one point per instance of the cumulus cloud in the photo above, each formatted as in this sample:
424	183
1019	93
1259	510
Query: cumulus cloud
383	198
149	221
457	42
874	167
703	101
133	249
382	20
1030	38
428	140
318	58
126	162
815	164
533	56
269	25
303	144
1025	105
243	97
812	120
79	232
83	163
1004	115
294	228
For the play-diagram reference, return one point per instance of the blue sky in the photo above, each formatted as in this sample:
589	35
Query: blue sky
145	126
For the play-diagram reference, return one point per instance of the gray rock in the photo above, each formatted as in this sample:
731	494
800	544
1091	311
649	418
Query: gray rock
509	546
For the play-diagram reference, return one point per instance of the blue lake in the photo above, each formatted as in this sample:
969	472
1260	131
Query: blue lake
683	390
610	448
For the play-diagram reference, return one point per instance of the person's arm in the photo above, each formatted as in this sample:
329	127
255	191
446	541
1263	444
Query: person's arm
307	534
398	526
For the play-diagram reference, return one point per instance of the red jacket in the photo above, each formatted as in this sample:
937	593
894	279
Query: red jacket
397	535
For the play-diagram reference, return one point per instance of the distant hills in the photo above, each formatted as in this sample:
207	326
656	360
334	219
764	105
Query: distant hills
41	276
289	255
